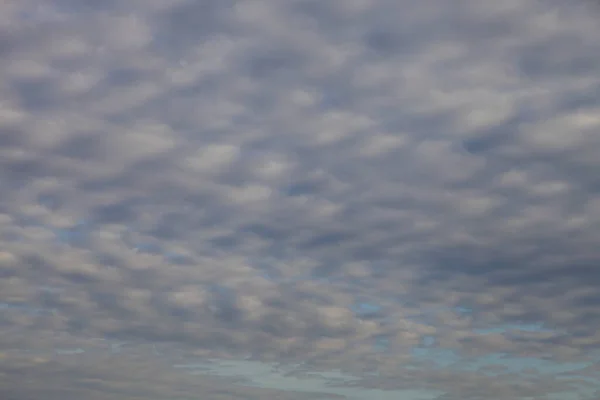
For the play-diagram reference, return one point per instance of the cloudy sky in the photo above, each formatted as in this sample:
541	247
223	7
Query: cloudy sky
299	200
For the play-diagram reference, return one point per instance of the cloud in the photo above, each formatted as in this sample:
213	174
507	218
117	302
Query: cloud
403	194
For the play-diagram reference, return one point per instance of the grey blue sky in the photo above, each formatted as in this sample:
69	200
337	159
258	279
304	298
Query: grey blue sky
299	200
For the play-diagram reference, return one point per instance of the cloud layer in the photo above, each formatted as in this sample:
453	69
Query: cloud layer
402	192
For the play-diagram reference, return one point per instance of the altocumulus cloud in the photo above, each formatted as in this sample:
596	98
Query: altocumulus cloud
300	199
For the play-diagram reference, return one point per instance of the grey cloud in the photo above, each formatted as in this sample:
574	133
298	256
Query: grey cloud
234	177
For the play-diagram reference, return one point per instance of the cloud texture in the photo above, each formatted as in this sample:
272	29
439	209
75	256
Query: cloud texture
299	199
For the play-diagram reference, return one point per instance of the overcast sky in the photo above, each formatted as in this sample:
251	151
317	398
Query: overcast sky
299	200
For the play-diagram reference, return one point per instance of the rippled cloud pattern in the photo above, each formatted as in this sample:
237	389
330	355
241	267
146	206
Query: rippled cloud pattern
300	199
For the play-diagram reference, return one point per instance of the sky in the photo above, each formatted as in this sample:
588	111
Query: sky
299	200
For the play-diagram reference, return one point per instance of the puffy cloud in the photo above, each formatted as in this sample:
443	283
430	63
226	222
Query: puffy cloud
361	199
